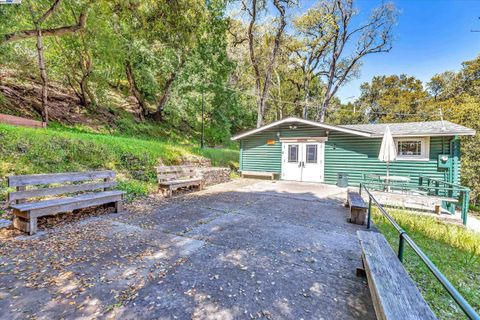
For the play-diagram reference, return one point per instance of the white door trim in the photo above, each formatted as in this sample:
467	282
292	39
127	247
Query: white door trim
291	165
301	169
304	139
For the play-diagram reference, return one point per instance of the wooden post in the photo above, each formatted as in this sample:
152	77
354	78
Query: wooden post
22	188
32	225
118	207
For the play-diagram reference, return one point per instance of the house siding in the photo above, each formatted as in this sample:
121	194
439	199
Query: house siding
357	155
257	155
345	153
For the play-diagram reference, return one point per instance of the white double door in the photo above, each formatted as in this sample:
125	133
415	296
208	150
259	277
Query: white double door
303	161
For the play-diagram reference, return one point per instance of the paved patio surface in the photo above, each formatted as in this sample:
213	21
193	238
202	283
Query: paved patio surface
241	250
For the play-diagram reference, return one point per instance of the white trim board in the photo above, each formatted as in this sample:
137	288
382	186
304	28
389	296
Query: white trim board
304	139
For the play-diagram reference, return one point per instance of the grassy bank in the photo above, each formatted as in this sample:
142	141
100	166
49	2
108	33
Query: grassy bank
455	251
28	151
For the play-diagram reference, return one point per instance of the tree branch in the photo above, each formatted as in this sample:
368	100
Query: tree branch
25	34
50	11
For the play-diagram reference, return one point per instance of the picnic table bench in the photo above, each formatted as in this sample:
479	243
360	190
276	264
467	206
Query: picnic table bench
394	294
77	187
171	178
358	208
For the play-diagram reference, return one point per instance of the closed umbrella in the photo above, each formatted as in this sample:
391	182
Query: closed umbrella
388	150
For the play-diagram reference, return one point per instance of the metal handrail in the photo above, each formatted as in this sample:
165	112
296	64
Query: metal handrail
432	188
444	182
450	188
404	237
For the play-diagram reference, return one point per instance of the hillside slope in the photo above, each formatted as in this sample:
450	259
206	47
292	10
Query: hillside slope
28	151
117	114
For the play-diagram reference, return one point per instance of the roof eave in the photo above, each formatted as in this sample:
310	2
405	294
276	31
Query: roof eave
443	134
292	119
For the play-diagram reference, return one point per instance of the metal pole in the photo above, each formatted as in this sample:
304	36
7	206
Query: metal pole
401	246
369	212
466	206
202	143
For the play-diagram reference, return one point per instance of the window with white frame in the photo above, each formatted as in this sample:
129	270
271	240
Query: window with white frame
413	148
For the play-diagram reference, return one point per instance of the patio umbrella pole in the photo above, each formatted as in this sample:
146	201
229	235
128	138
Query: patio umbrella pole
388	152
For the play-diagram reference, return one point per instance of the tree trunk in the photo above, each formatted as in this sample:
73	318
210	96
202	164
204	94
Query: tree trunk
134	89
307	98
158	114
43	73
84	91
262	91
86	67
323	109
259	112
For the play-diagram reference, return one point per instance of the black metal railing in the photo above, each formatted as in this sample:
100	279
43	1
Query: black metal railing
405	238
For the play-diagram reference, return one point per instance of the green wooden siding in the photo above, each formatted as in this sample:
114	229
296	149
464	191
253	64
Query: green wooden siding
256	155
358	155
346	153
455	152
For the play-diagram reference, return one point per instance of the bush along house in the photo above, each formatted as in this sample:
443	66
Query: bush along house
302	150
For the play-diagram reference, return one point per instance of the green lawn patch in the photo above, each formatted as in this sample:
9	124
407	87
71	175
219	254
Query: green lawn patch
453	249
29	151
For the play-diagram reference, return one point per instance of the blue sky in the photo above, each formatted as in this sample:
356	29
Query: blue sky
431	36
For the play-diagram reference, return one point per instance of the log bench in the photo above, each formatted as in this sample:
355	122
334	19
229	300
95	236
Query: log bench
358	207
262	174
79	190
172	178
394	294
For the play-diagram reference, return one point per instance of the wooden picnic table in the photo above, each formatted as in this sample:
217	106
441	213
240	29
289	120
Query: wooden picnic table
395	178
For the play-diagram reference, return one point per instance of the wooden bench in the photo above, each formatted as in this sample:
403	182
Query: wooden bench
171	178
394	294
72	184
263	174
358	208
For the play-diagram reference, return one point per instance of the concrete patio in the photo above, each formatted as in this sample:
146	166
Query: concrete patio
245	249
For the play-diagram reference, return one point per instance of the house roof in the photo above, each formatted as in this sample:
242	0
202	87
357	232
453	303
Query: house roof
406	129
410	129
298	120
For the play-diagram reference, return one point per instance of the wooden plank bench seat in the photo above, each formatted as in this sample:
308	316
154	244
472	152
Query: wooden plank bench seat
264	174
83	191
358	207
394	294
172	178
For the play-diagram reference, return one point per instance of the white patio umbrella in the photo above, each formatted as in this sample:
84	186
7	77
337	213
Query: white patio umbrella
388	150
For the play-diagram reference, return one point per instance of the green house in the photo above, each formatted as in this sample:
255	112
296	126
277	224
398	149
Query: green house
302	150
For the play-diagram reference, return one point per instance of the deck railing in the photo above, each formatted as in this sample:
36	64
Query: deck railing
428	186
437	187
405	238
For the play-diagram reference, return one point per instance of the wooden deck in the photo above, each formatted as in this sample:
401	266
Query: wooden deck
417	202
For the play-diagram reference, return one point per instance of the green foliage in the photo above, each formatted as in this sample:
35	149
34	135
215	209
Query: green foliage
393	98
219	157
3	100
136	188
453	249
172	60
